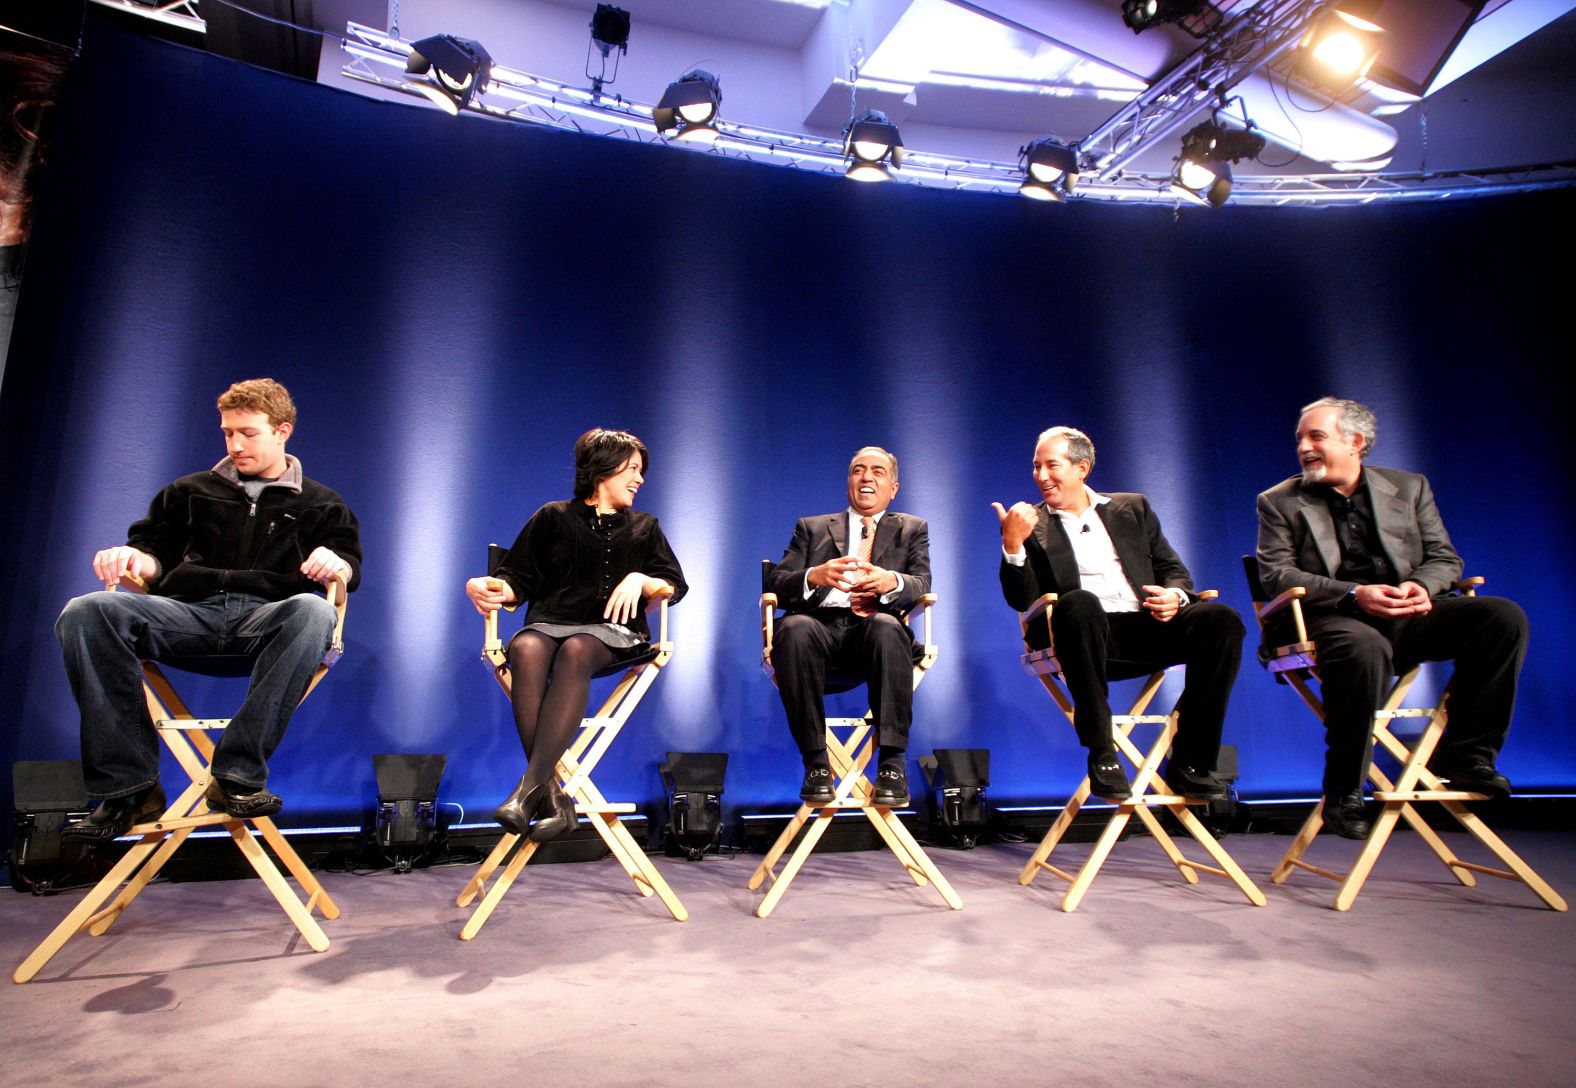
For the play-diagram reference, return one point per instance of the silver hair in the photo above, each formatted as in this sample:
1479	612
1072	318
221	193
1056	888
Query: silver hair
888	454
1350	418
1080	447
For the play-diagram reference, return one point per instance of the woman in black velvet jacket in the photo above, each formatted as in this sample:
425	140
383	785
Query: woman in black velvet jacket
586	565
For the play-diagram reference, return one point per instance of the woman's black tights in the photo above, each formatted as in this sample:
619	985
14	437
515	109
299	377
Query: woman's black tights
548	713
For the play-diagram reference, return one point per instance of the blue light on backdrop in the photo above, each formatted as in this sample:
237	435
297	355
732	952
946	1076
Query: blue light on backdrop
448	332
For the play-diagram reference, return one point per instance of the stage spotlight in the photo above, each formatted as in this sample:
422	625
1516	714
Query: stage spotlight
1202	173
459	68
691	106
694	784
46	795
1344	43
406	821
1050	169
871	144
957	777
1140	15
610	28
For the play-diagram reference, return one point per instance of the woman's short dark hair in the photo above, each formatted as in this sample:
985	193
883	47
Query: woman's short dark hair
600	453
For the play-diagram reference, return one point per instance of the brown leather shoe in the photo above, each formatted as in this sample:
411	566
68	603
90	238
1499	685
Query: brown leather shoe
236	800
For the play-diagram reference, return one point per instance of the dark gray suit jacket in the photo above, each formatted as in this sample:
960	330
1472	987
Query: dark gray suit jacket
1298	545
902	544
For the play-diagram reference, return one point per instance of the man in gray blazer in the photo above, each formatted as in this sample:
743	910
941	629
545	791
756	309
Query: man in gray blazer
845	580
1125	608
1370	548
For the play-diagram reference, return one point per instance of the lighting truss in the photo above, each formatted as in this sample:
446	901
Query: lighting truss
1247	43
181	13
1236	49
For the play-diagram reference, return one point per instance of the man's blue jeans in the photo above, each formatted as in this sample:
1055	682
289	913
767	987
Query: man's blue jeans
105	637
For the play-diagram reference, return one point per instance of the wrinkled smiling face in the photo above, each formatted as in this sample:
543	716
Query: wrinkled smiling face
872	485
1059	478
617	492
1325	454
256	447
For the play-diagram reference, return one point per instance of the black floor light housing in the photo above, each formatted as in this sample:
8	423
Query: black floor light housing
693	781
957	777
405	824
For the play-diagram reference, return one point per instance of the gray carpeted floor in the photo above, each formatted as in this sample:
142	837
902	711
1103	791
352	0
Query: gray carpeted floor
859	978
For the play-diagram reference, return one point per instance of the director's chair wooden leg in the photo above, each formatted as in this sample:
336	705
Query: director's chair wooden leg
640	868
99	924
1091	867
780	846
1226	866
299	912
1518	869
84	911
495	894
915	860
796	862
488	866
1041	857
317	896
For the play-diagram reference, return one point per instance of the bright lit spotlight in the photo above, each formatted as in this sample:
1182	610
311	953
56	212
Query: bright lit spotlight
1140	15
1345	43
1202	173
872	145
690	105
1050	169
459	68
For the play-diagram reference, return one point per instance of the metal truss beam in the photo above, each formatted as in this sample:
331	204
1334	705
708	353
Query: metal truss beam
1235	49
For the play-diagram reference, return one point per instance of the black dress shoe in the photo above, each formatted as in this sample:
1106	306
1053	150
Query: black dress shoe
1107	779
816	789
114	817
242	802
1194	784
1477	776
891	788
555	815
514	815
1344	814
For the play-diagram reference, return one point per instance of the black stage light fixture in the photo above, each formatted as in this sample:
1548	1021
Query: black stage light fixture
1140	15
1227	814
690	105
46	795
405	826
1050	169
871	143
694	784
958	777
459	68
1202	173
610	28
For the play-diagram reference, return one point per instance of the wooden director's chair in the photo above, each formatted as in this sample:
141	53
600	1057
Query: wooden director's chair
1149	790
574	773
849	754
1296	663
187	737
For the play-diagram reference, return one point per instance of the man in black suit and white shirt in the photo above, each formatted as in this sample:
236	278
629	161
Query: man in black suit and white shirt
1125	607
1371	550
845	581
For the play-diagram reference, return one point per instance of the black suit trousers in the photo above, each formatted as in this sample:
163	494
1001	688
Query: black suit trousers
877	650
1358	654
1094	646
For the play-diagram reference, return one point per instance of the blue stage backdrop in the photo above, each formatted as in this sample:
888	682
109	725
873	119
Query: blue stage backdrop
453	300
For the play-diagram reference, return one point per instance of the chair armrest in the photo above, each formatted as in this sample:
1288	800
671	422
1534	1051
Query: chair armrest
768	624
1208	595
1040	606
129	582
1291	598
922	607
1468	587
338	594
659	600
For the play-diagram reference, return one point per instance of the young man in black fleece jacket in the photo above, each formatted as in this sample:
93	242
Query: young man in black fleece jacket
232	558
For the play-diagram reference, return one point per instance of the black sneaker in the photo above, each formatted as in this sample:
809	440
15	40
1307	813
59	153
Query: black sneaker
891	788
234	799
816	789
1107	779
1477	776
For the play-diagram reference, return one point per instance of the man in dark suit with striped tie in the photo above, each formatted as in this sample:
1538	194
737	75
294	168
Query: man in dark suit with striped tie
845	581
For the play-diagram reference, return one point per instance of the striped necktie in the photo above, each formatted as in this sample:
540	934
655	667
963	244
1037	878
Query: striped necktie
867	541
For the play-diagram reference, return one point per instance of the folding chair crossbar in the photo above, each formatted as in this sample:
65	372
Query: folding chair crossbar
596	736
1414	784
1297	664
1149	791
849	755
186	736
